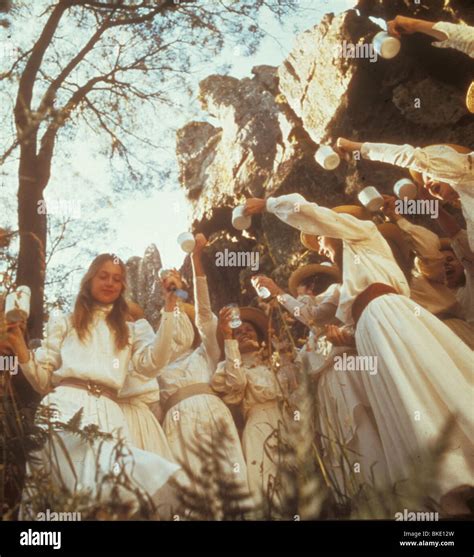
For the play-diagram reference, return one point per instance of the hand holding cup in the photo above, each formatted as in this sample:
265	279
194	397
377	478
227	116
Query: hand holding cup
225	317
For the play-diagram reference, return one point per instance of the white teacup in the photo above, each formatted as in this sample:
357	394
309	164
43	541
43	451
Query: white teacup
240	221
405	189
235	321
385	45
186	242
17	305
371	199
327	158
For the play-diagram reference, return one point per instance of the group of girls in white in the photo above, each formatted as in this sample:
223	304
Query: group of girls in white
394	292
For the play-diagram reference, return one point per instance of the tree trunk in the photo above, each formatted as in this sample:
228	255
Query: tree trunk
32	228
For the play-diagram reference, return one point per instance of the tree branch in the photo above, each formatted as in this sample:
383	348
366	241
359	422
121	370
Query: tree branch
28	77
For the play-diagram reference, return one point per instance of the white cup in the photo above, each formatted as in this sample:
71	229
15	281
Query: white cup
239	220
17	305
385	45
186	241
327	158
405	189
371	199
235	321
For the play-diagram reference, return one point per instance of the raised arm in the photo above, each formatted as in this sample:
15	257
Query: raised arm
312	311
449	35
427	247
439	161
308	309
460	37
206	321
293	209
152	352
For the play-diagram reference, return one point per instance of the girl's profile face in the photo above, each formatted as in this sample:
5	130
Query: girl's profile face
107	284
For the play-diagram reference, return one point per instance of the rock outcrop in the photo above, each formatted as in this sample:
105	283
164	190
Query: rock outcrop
144	285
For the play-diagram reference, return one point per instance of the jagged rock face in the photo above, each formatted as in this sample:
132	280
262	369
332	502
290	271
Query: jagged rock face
255	141
315	78
143	283
269	127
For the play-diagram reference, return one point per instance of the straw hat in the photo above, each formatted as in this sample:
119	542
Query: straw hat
418	177
311	242
257	317
470	98
302	273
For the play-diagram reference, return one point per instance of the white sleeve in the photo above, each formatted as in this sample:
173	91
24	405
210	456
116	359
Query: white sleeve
47	358
152	352
427	247
206	321
309	312
439	161
230	379
460	37
293	209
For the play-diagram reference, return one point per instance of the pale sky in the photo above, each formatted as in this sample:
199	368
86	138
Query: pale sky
160	215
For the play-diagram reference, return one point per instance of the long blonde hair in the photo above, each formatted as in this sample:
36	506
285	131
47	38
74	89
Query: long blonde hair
83	308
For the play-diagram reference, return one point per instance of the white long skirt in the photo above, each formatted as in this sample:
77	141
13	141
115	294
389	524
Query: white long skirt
79	466
353	450
260	445
145	430
424	379
199	421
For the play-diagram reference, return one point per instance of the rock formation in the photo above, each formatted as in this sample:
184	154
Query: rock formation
143	283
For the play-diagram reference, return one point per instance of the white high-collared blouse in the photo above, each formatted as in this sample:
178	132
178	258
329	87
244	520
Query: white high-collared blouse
367	257
460	37
62	355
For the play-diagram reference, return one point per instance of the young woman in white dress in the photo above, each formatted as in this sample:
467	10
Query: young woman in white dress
424	371
193	413
245	377
81	365
137	396
352	449
429	284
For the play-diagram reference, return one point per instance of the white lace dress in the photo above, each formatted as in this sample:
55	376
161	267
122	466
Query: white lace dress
245	379
63	356
424	373
202	419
